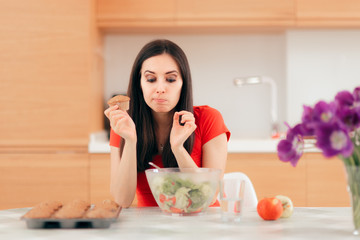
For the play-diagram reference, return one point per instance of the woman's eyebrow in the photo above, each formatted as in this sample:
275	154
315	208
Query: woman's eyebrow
173	71
149	71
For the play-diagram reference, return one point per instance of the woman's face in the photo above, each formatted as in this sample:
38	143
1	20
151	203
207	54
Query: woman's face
161	83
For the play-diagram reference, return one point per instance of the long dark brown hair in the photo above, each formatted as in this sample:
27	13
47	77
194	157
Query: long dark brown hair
141	113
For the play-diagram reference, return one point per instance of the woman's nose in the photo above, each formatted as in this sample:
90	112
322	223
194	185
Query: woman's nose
160	91
160	88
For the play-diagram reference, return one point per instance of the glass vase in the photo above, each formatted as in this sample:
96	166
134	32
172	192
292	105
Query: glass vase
353	186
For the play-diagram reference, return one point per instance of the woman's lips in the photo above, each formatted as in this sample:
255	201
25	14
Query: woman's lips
159	100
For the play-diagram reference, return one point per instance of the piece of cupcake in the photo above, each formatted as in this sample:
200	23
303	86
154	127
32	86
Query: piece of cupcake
74	209
55	205
43	210
110	205
120	100
100	213
69	213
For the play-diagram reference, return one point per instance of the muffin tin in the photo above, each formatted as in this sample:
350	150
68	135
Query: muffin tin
99	216
70	223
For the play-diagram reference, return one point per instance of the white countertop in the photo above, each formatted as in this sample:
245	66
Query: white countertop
151	223
99	143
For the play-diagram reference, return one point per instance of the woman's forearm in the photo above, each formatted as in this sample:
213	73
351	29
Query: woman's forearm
183	158
124	175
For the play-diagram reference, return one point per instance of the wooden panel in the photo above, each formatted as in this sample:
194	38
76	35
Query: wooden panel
326	182
27	179
270	176
100	178
46	55
241	12
130	13
328	13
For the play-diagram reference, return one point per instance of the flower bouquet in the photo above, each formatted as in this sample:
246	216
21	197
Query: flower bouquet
334	128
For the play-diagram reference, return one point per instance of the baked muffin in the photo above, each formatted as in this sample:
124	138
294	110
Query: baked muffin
120	100
74	209
55	205
109	205
79	204
68	213
43	210
100	213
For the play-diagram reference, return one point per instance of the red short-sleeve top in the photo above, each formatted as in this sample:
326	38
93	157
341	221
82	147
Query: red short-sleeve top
210	124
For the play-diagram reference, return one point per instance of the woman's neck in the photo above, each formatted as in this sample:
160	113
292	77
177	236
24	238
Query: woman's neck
162	125
162	120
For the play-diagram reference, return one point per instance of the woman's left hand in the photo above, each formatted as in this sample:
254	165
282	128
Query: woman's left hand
180	132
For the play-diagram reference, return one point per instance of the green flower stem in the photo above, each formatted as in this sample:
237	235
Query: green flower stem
354	188
352	166
353	175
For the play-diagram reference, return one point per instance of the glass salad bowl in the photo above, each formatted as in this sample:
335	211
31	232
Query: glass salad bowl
186	191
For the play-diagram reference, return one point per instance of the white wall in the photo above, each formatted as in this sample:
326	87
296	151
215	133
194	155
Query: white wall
319	64
215	60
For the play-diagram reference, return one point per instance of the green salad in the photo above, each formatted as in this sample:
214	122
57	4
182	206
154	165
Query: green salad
178	195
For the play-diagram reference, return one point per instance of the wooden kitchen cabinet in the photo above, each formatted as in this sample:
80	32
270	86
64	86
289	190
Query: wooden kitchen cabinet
315	182
49	75
261	13
270	176
328	13
230	15
100	178
175	15
27	179
113	14
326	181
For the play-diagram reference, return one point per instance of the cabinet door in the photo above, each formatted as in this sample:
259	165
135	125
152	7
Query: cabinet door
46	63
135	13
332	13
270	176
100	178
326	182
236	12
28	179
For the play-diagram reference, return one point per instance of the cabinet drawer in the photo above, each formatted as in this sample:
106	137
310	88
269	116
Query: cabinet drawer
27	179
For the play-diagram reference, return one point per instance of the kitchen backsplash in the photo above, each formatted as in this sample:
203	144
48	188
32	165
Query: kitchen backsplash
215	60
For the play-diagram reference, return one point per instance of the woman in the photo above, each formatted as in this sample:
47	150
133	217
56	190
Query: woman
162	125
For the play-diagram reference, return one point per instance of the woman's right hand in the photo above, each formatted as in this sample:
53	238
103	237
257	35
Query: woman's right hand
121	123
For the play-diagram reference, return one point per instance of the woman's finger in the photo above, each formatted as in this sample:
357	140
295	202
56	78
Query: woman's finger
186	117
110	109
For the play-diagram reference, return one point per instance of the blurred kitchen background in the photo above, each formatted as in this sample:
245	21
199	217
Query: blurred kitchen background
306	65
60	60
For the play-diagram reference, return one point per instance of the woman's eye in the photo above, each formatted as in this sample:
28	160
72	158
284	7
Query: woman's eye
171	80
150	80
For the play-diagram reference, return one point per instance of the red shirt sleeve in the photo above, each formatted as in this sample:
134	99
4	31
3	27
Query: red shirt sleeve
114	139
211	124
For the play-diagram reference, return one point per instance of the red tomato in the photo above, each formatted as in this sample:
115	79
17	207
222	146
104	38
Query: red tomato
162	198
175	210
270	208
172	199
190	202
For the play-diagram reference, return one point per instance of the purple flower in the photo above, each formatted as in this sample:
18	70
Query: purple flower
356	94
322	113
330	124
291	148
333	139
307	128
348	108
349	116
344	98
